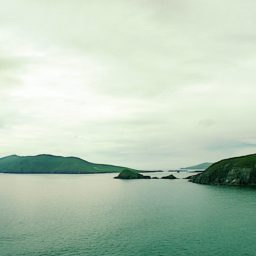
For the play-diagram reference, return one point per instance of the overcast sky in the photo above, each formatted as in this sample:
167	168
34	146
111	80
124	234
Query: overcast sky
142	83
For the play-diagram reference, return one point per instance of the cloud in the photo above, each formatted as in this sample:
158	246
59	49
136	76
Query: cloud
147	84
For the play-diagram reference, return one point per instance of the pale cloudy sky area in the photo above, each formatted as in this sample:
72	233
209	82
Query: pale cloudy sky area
142	83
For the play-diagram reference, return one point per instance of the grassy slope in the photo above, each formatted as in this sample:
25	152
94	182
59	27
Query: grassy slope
220	170
52	164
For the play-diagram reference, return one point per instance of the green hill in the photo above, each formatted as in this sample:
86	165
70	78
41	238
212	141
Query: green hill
233	171
202	166
53	164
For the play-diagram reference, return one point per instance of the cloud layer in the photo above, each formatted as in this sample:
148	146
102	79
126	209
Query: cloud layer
147	84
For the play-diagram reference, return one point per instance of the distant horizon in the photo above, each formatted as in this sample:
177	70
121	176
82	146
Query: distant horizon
115	164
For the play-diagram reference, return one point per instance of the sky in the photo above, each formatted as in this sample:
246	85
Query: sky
149	84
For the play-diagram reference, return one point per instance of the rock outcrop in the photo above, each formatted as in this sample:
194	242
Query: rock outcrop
234	171
170	177
128	174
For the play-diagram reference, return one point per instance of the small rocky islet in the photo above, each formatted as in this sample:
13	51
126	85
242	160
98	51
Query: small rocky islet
128	174
169	177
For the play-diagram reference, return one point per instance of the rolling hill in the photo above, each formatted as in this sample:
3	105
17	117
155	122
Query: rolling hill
53	164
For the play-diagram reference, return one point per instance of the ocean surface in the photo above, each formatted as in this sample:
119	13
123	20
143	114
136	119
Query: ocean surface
96	215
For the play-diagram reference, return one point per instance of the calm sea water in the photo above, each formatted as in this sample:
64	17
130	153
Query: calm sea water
96	215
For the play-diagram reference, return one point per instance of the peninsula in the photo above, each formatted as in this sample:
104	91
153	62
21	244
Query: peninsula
233	171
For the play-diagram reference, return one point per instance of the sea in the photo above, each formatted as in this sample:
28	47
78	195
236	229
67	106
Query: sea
96	215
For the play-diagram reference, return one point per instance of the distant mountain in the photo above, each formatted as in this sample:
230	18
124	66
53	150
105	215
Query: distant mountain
233	171
202	166
53	164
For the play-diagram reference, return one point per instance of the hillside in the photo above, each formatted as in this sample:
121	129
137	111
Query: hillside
202	166
53	164
233	171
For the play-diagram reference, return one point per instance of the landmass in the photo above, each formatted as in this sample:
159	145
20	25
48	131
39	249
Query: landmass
50	164
202	166
233	171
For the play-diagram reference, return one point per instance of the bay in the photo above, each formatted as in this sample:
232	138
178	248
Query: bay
51	215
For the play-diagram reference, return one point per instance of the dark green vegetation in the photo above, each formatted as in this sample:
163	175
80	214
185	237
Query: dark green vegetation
128	174
202	166
232	171
53	164
170	177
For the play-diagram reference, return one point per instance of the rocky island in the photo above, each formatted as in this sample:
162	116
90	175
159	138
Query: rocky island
131	174
128	174
233	171
169	177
